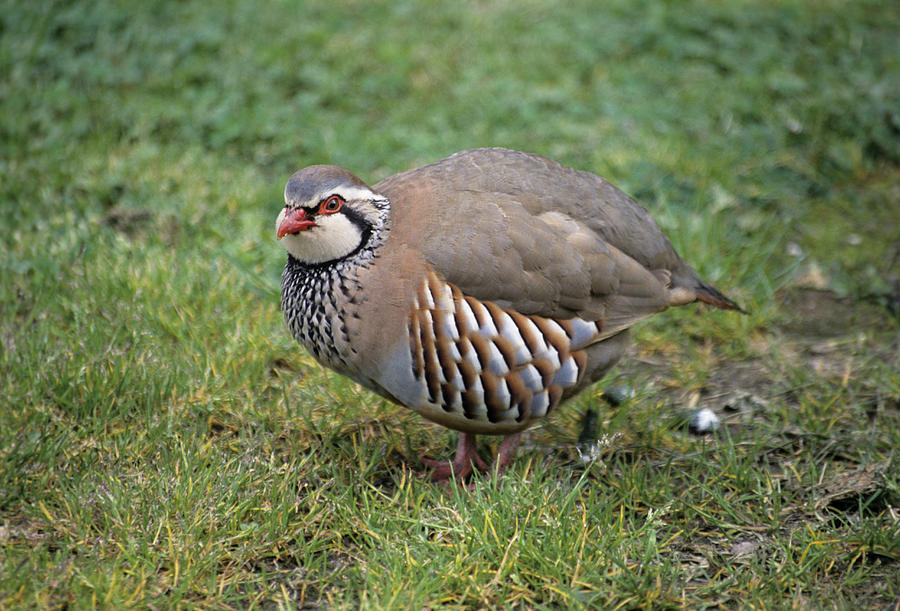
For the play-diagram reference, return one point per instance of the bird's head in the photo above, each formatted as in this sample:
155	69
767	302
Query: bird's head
329	214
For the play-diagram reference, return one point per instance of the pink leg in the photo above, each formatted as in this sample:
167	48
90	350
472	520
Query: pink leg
461	466
507	451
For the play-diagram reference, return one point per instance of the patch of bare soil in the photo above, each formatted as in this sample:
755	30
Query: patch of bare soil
829	338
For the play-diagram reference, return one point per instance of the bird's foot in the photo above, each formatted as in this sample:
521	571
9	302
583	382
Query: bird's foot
467	459
461	465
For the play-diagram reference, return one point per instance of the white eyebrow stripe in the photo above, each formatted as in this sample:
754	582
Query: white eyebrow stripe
349	193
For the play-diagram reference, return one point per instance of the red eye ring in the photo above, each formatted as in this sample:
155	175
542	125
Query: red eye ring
331	205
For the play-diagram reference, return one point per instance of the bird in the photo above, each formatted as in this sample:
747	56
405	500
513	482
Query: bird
480	291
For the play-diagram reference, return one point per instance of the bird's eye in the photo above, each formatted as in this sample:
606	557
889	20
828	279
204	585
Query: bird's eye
331	205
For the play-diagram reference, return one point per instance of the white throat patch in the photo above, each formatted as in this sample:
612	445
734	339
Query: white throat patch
333	237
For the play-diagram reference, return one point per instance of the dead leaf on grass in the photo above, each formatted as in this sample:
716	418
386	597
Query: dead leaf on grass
846	489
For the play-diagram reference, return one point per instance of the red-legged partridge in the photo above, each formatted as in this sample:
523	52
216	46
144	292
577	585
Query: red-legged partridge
479	291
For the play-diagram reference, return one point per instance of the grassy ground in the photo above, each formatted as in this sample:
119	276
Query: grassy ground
163	442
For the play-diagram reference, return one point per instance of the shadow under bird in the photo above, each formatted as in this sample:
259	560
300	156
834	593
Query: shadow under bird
479	291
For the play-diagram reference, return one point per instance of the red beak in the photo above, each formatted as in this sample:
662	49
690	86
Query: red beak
294	221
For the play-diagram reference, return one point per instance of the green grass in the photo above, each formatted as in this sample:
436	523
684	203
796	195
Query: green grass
164	442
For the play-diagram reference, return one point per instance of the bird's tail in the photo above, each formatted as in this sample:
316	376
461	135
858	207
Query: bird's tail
685	287
713	296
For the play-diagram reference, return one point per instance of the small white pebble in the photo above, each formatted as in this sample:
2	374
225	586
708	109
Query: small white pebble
704	421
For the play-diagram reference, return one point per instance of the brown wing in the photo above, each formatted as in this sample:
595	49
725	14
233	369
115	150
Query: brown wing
537	237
